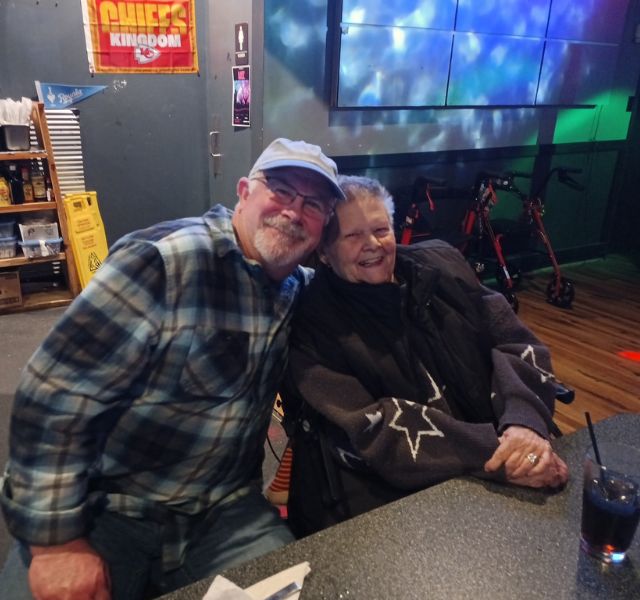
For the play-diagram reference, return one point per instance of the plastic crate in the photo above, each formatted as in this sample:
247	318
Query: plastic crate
7	228
7	247
38	248
43	276
36	231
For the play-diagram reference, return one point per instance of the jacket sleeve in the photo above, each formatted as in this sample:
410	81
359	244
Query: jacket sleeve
523	387
408	444
71	392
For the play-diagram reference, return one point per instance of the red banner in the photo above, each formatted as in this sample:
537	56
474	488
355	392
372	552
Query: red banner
139	36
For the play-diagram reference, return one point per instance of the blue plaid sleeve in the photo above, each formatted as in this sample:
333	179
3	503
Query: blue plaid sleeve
74	389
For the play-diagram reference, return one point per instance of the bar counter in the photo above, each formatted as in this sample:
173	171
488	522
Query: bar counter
464	538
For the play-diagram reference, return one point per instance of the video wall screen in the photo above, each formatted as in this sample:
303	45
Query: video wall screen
450	53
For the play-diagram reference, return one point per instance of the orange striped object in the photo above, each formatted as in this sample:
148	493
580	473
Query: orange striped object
278	491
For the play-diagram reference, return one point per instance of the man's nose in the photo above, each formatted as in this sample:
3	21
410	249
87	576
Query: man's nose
294	210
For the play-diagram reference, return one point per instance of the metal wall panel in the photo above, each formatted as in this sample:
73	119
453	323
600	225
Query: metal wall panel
64	131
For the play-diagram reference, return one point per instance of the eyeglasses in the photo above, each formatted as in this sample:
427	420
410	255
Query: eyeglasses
316	207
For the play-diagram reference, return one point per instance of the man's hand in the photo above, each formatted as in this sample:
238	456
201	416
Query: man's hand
528	459
71	571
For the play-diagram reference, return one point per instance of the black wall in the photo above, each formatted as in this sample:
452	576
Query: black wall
622	226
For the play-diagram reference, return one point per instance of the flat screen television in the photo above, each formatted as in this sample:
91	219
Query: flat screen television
468	53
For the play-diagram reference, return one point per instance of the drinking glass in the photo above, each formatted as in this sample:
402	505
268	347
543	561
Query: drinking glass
610	501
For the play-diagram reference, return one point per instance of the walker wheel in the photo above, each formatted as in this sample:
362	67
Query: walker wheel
565	296
478	267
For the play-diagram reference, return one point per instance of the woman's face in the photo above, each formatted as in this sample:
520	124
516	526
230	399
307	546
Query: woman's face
365	249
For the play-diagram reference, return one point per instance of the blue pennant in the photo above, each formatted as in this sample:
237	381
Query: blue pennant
57	95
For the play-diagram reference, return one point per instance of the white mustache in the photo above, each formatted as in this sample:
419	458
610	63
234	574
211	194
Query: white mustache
284	225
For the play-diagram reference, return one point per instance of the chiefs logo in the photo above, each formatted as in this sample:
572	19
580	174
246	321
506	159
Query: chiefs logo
145	54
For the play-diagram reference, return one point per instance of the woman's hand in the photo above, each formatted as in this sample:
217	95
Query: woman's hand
528	459
71	571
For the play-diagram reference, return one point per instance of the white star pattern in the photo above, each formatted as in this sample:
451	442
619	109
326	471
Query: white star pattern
436	391
374	419
531	355
414	445
345	456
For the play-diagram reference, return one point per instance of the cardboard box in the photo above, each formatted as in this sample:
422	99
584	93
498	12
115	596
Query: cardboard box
10	293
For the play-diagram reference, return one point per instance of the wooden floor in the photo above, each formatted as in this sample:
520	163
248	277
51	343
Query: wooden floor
586	340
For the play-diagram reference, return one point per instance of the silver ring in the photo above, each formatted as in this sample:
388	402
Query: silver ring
533	458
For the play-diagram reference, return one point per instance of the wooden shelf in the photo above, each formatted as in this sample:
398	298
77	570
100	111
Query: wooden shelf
42	150
28	207
19	261
23	155
39	300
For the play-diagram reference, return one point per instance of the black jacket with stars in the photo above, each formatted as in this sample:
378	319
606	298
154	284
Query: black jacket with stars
414	380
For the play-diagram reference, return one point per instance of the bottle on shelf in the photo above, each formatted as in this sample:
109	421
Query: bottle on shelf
37	180
27	186
5	190
49	187
15	181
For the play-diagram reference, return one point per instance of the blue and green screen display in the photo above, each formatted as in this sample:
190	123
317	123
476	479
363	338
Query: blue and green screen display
415	53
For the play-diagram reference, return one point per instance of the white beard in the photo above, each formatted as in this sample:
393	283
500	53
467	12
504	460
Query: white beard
281	242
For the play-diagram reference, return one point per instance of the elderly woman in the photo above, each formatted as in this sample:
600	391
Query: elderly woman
404	371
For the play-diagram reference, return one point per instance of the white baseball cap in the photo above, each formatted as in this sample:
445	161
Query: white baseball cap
283	152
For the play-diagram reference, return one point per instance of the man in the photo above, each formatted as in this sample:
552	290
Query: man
138	427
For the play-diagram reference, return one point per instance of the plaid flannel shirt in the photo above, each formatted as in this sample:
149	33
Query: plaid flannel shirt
153	392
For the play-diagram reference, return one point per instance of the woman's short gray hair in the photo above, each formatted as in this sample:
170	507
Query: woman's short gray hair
354	187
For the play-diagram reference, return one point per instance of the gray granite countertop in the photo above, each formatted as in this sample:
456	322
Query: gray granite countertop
464	538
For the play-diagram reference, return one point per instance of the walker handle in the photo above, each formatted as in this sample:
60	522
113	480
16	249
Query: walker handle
566	179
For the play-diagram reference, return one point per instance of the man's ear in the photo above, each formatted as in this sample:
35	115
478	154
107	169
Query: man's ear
242	189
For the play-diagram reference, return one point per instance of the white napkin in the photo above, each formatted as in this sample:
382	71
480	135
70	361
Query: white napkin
223	589
13	112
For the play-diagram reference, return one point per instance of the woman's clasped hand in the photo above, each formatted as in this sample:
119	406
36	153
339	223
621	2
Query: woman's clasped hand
528	459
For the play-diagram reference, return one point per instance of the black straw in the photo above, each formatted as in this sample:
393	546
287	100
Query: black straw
592	433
